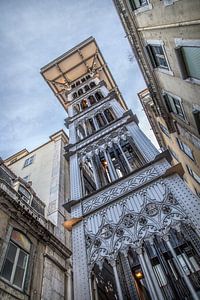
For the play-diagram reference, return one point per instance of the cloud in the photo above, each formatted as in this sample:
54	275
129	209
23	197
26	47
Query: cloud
33	33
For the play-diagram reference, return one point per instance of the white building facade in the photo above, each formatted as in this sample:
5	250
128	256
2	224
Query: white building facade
135	224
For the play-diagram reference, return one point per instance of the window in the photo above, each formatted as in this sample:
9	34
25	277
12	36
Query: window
15	263
24	193
76	108
74	95
174	105
174	155
88	76
191	57
157	56
135	4
188	58
84	104
91	99
196	114
98	95
92	84
100	120
86	88
193	174
164	130
169	2
28	161
80	92
26	178
109	115
185	148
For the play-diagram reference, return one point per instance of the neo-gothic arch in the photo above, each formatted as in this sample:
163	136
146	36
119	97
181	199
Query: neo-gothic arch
80	92
92	84
86	88
99	96
80	132
120	225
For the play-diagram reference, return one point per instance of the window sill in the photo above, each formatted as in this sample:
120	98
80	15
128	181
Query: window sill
193	80
143	9
165	71
180	118
13	290
169	2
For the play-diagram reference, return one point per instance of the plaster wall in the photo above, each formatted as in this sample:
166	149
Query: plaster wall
40	170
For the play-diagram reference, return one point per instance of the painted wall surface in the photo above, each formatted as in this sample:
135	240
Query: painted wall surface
39	171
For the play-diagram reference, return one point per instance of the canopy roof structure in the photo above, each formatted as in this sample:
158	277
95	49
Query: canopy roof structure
86	57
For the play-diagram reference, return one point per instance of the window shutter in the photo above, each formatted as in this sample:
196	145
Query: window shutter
181	63
191	56
167	102
132	4
150	55
196	114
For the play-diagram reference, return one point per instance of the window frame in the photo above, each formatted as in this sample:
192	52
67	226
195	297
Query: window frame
182	147
164	129
171	106
28	161
179	43
157	43
141	8
169	2
15	262
191	172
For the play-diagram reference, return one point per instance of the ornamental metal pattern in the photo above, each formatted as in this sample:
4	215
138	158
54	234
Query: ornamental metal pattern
128	222
119	189
103	143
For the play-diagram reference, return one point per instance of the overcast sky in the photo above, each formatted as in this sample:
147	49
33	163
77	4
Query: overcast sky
34	32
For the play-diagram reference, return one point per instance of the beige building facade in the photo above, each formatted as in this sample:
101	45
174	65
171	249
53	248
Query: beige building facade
46	169
165	38
34	262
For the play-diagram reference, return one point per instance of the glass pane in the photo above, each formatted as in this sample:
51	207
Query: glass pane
24	192
20	269
9	261
191	57
161	61
158	50
21	240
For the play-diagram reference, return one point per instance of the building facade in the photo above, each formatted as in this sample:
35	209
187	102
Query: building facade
34	263
135	223
47	170
165	38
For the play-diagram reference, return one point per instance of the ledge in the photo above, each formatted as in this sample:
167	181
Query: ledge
165	154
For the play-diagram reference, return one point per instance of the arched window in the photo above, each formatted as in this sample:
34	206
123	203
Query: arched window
77	83
74	95
80	132
109	115
88	76
92	99
73	86
100	120
15	264
98	95
80	92
86	88
76	109
90	126
84	104
83	79
92	84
